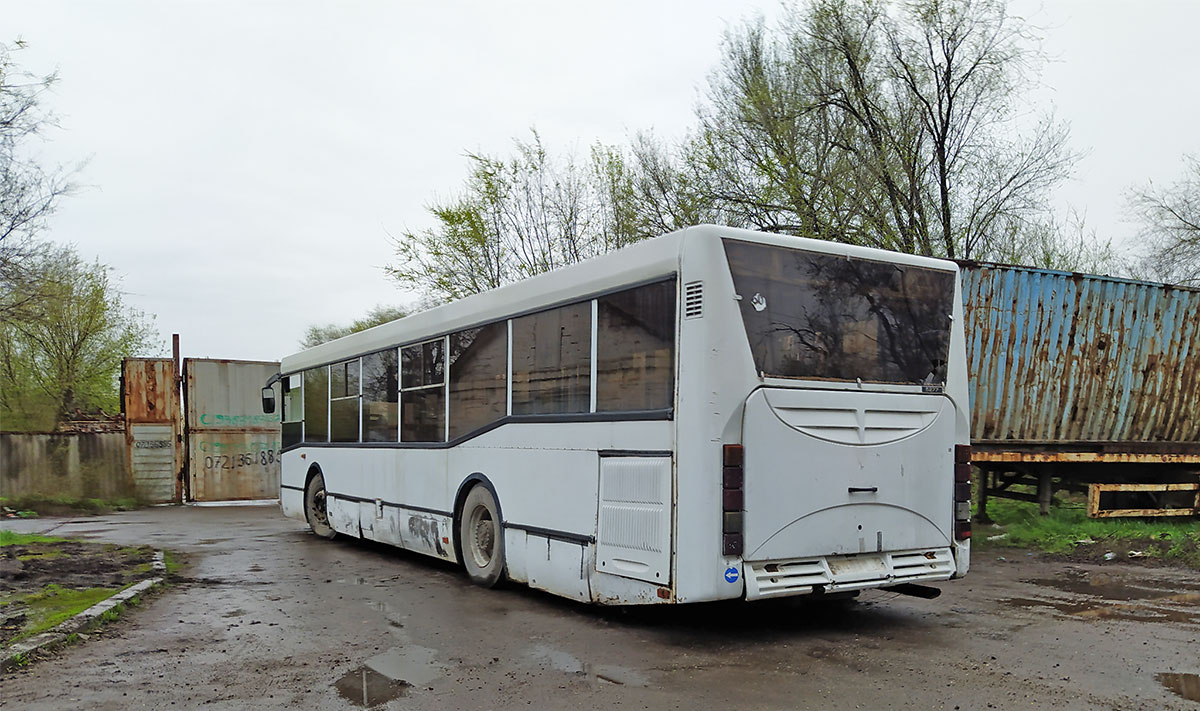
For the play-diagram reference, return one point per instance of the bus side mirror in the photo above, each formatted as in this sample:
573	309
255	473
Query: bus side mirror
268	399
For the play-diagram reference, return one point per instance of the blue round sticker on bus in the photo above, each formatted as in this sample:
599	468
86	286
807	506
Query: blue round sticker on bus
731	574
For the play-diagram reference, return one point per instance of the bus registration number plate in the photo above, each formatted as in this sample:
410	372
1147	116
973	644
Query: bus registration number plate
867	566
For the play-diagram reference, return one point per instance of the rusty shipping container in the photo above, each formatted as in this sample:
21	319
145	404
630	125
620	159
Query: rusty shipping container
150	400
232	446
1070	367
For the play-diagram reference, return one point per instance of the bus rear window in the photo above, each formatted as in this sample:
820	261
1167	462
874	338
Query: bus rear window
826	317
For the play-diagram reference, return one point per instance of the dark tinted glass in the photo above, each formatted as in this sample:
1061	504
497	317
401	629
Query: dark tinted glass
423	415
478	365
635	349
292	411
422	364
381	422
811	315
551	369
343	416
316	402
343	379
291	433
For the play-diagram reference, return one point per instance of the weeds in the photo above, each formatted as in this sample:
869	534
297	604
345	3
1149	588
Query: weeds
54	603
1068	530
30	506
12	538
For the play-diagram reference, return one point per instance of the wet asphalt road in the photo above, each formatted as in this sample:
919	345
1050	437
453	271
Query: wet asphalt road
268	616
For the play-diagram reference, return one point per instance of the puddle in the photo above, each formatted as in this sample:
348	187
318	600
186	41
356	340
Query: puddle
1112	587
1185	685
367	687
1157	610
1100	595
389	675
600	673
390	616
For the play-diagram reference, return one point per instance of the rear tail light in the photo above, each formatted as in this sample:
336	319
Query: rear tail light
962	492
732	498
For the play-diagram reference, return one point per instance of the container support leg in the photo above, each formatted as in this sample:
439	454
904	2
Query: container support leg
1045	492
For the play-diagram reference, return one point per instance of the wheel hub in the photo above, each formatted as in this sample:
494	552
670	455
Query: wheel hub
483	537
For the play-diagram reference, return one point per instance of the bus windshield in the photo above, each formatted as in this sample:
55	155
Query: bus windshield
818	316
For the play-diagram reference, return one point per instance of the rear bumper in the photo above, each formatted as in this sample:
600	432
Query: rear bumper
804	576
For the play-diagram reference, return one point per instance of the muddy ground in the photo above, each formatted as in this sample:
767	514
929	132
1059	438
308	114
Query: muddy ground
28	568
268	616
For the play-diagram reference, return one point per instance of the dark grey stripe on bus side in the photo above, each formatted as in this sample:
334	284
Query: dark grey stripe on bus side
365	500
629	416
293	488
565	536
634	452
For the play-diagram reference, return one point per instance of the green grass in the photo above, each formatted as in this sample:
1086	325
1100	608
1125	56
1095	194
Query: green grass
38	503
54	603
172	564
45	555
1068	530
12	538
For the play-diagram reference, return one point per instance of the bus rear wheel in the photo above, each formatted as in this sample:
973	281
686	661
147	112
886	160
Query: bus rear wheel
481	537
314	507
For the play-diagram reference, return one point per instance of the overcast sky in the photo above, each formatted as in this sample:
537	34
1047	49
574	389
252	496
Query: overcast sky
246	160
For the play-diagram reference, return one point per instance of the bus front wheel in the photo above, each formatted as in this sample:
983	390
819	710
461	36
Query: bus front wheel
314	507
482	540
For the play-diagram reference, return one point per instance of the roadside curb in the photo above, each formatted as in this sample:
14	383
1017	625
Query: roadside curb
15	653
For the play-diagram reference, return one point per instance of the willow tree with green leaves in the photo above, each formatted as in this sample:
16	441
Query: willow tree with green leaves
891	125
379	314
530	212
69	357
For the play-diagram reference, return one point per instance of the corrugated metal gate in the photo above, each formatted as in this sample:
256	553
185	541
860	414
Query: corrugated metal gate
151	402
232	448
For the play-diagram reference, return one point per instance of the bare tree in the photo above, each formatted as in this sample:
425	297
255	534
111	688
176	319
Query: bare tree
29	192
1170	219
868	124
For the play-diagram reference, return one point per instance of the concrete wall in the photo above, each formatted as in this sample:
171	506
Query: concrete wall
77	465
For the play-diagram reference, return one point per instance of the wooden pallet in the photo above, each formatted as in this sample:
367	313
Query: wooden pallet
1095	490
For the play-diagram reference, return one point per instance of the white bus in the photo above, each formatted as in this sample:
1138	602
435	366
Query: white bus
711	414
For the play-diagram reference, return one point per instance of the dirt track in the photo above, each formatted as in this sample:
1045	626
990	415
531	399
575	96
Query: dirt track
268	616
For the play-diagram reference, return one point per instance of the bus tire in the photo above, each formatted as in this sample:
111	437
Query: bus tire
314	507
481	537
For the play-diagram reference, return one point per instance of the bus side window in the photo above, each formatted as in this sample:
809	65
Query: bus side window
316	404
635	349
380	391
343	401
478	361
292	416
422	392
551	367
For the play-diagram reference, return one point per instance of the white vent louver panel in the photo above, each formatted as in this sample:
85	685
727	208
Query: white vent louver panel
853	572
693	299
633	538
857	418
